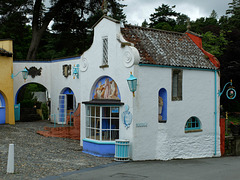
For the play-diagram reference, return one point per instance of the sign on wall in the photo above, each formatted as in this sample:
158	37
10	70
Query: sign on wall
106	88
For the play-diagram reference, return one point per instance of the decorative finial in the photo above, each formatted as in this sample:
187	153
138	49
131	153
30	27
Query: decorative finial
104	7
188	24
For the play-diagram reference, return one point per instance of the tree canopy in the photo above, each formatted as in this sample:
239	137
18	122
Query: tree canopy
28	22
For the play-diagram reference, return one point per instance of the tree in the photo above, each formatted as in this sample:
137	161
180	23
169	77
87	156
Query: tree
234	12
70	19
145	23
215	44
163	15
13	25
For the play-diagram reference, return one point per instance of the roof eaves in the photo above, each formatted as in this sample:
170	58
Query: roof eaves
106	17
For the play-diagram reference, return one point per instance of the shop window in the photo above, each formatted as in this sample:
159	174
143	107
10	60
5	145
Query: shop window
102	123
105	53
193	124
162	106
176	85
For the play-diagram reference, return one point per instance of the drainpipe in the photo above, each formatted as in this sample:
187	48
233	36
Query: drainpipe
215	138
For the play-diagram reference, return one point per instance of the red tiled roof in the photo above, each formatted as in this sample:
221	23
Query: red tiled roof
166	48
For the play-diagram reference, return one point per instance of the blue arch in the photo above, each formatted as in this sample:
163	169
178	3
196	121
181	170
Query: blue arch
67	91
16	96
2	109
163	95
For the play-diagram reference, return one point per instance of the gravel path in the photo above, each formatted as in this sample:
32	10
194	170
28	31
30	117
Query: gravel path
37	156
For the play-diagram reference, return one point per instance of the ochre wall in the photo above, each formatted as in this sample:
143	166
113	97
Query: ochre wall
6	82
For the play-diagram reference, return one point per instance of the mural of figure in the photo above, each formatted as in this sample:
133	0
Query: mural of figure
114	90
160	106
107	89
98	91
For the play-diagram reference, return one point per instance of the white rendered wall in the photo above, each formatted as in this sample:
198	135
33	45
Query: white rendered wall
44	79
59	82
169	140
116	70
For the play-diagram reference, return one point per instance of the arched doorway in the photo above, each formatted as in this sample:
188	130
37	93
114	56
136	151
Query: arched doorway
33	102
2	109
67	104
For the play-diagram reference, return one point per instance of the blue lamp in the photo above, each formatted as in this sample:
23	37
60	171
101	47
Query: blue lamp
132	83
24	74
76	71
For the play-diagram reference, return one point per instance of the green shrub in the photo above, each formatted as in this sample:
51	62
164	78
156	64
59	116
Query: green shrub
28	103
44	110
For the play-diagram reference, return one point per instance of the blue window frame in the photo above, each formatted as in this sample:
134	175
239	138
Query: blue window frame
193	123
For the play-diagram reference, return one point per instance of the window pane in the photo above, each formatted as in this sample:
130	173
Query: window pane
105	123
92	133
92	110
98	123
114	112
105	111
97	111
97	134
88	111
93	122
174	84
88	133
115	124
88	122
114	135
105	135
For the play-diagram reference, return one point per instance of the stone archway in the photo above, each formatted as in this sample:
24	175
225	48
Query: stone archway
34	101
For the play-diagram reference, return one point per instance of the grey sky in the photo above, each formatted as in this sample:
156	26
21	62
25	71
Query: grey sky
138	10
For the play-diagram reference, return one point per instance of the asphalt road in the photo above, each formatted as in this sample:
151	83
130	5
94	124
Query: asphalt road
223	168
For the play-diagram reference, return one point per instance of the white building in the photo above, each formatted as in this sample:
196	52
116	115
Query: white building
175	111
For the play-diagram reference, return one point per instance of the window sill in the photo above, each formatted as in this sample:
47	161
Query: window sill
162	121
98	141
193	130
104	66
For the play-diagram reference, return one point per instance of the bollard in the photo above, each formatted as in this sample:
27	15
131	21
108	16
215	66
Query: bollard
10	164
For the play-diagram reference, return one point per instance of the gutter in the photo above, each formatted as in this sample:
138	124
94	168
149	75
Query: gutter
215	134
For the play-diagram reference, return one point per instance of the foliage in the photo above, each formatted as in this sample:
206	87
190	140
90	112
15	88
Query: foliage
71	21
45	110
215	44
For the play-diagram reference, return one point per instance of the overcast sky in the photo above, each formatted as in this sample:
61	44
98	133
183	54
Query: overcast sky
138	10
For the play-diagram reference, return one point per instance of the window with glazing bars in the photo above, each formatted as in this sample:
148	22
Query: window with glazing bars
193	123
105	51
176	85
102	123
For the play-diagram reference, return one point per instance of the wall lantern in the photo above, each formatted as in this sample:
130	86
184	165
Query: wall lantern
24	74
230	93
132	83
76	71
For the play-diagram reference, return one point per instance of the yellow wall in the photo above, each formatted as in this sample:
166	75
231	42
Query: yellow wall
6	82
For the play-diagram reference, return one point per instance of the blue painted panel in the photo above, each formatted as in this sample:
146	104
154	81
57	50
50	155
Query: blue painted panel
62	108
163	94
67	91
17	112
2	110
99	149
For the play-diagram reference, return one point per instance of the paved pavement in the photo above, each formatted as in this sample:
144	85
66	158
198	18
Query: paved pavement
223	168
